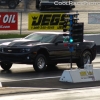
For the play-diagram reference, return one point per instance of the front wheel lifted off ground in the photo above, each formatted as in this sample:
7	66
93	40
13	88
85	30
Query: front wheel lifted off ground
6	65
40	63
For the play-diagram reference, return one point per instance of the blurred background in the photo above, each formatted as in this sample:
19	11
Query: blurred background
91	21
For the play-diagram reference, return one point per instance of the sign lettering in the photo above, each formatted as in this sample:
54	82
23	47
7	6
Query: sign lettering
8	20
47	21
87	74
83	73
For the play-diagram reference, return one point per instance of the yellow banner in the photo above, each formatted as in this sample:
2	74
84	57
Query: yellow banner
45	21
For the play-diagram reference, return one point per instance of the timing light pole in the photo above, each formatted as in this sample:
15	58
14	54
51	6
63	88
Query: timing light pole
69	21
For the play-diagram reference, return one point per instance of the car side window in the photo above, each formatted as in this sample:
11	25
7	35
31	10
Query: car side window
59	38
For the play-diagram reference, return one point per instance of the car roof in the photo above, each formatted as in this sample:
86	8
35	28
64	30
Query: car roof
49	32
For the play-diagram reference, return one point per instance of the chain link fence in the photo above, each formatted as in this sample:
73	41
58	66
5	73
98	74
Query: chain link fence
27	6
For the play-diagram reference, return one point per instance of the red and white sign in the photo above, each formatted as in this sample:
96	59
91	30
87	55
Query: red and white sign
8	20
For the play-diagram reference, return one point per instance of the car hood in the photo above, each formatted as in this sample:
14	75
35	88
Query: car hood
21	42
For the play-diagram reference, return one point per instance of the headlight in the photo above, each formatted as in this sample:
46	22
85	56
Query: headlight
25	50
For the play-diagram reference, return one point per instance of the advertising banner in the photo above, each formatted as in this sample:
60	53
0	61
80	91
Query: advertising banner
45	21
8	20
85	74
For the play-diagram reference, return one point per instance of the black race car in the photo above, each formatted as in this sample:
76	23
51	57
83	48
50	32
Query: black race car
45	49
47	4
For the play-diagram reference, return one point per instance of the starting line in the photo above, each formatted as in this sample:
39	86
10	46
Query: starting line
87	74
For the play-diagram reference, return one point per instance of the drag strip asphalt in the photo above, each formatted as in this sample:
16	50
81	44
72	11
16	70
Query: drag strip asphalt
49	83
25	76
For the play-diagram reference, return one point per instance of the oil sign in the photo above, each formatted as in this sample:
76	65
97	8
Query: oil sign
8	20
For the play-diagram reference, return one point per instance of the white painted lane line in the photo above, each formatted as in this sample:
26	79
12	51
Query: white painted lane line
83	88
73	94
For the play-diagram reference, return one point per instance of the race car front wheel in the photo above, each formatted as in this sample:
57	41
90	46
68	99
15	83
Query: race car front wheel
40	63
6	65
86	58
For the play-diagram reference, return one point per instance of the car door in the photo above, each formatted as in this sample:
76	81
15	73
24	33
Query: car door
60	50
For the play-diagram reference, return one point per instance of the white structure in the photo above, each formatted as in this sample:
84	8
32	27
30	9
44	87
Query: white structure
0	84
81	75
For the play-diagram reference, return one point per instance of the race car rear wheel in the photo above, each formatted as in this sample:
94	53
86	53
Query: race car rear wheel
6	65
40	63
86	58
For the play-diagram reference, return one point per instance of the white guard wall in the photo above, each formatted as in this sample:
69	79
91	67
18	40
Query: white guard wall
81	75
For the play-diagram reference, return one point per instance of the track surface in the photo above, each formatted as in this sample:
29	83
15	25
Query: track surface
25	76
72	94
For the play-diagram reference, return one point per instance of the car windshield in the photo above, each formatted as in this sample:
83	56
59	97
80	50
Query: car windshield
46	38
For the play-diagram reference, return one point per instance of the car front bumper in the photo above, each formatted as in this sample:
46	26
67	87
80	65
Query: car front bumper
17	58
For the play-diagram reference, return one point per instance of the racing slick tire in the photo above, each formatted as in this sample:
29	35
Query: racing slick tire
86	58
12	4
40	63
6	65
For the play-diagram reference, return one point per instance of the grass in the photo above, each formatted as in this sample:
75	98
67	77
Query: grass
15	35
6	36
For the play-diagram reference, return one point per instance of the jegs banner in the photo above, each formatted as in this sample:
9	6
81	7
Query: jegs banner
45	21
8	20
